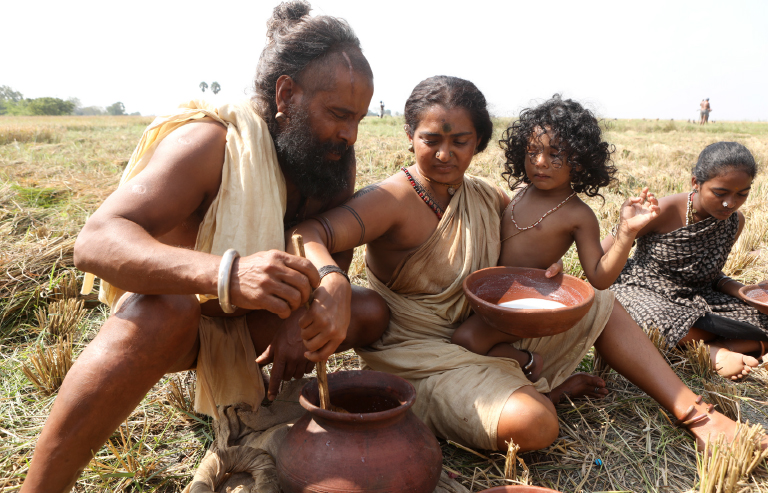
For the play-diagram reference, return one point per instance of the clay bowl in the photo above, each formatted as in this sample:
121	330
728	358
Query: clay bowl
757	294
486	288
519	489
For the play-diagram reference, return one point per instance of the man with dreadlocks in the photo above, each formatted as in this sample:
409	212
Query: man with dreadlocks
202	209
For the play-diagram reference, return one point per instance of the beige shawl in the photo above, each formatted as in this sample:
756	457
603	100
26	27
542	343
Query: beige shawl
425	294
247	214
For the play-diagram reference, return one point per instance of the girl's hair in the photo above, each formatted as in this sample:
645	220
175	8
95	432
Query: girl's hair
721	157
294	42
574	128
450	92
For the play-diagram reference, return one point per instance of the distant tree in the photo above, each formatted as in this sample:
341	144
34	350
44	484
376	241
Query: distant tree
215	87
8	94
50	106
116	109
8	100
91	110
203	86
136	113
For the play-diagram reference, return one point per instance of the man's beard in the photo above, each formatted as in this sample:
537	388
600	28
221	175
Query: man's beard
303	159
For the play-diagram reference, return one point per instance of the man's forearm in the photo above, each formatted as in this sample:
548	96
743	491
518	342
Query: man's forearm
126	256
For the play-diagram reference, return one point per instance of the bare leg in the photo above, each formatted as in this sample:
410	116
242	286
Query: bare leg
628	350
479	338
529	419
146	338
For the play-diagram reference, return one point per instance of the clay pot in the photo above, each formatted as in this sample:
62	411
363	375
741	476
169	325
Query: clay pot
380	446
519	489
486	288
757	294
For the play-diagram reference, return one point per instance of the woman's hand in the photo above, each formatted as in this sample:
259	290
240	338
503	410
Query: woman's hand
324	326
637	212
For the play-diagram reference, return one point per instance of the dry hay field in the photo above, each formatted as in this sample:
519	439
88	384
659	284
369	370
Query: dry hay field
55	171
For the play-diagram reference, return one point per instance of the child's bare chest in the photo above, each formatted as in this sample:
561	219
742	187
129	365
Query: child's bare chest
538	246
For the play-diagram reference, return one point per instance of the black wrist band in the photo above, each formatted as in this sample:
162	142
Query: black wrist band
327	269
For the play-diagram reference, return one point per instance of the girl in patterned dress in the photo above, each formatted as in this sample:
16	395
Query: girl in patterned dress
674	281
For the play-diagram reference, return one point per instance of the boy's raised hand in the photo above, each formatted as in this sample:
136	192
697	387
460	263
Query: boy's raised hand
637	212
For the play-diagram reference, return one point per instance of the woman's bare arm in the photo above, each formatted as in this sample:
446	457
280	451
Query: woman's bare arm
369	215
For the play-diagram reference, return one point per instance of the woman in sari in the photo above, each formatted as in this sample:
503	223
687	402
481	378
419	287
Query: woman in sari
426	228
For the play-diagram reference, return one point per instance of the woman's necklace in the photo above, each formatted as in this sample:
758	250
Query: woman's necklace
689	210
424	194
452	187
512	213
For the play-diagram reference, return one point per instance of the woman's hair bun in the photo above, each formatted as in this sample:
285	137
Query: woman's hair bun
285	14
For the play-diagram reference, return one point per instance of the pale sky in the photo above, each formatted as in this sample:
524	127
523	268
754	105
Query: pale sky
643	59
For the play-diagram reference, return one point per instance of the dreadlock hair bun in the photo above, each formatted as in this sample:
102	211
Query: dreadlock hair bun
284	15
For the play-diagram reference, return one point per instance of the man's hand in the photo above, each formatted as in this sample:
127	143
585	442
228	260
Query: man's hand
324	326
286	353
274	281
637	212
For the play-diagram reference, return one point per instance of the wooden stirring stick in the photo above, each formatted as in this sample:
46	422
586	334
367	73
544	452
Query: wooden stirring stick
322	375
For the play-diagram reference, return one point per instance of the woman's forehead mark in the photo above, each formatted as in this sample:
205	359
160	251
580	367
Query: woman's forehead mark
447	127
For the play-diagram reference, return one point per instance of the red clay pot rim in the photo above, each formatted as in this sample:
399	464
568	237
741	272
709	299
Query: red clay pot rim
357	417
517	270
761	286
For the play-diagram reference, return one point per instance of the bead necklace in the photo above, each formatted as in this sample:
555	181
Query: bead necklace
452	187
512	212
424	194
689	210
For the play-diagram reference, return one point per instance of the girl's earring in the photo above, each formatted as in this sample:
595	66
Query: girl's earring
281	118
695	190
410	147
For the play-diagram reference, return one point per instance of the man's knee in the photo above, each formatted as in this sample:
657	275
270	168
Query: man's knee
529	419
169	316
370	316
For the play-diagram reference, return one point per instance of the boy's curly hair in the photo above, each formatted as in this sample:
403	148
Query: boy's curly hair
575	129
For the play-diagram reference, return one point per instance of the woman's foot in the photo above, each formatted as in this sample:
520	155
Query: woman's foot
579	385
711	427
730	364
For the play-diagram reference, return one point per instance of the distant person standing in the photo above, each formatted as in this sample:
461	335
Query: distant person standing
381	109
704	112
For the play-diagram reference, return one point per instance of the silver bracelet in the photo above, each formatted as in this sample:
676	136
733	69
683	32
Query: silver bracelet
225	274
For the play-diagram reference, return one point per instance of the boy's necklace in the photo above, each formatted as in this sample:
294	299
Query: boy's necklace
512	213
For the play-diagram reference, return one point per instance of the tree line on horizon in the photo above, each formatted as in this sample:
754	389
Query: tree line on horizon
14	103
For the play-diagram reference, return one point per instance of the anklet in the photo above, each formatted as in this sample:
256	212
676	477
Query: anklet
684	421
528	364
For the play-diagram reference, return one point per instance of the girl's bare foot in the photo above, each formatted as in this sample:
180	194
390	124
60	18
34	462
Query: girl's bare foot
579	385
730	364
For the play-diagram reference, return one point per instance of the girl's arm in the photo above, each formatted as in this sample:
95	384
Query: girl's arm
602	263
